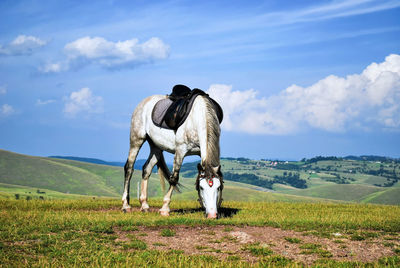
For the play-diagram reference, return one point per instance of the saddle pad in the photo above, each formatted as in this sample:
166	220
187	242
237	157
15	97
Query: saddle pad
171	114
159	111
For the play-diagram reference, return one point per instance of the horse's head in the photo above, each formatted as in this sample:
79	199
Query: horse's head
209	185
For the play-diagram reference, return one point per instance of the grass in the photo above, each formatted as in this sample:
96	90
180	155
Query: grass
228	229
83	232
135	244
158	244
167	232
359	236
299	216
293	240
258	250
310	248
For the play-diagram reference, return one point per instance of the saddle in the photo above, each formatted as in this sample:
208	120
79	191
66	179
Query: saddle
172	112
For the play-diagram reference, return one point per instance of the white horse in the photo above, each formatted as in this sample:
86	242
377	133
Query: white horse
198	135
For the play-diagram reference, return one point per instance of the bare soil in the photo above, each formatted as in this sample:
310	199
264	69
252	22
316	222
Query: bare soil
225	241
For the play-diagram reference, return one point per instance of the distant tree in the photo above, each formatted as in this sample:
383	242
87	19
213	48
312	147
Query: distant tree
249	179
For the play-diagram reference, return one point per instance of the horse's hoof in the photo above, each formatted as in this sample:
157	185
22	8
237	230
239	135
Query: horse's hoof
127	210
144	210
164	213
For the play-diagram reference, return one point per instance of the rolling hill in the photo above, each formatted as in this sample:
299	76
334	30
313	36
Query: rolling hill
365	179
32	177
333	180
65	176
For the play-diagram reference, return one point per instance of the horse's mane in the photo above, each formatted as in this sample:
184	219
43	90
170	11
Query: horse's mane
213	133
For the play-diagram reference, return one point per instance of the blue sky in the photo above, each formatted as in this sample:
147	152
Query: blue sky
295	78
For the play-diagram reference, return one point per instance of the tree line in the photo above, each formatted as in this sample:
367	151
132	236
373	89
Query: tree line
288	179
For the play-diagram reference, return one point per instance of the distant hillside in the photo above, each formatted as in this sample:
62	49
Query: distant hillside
368	179
138	163
66	176
26	177
371	158
58	175
318	179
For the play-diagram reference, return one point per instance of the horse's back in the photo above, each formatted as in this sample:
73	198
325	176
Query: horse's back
147	105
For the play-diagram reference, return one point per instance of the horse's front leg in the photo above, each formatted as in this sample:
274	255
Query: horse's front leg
173	180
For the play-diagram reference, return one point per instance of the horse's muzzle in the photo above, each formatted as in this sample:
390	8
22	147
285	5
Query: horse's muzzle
212	215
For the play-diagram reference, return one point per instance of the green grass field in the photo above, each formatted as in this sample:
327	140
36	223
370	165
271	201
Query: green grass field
9	191
84	232
68	214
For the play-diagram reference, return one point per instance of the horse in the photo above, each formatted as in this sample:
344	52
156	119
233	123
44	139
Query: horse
198	135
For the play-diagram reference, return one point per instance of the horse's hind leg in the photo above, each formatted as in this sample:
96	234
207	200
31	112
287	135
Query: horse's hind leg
164	210
147	168
136	144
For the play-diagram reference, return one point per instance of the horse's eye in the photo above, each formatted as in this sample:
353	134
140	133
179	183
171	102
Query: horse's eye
201	188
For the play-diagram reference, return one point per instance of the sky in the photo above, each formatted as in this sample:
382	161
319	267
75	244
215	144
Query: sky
295	78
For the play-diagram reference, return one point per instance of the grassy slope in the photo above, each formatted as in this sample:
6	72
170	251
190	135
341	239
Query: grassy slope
68	176
58	176
234	191
362	189
390	196
8	191
110	176
347	192
47	174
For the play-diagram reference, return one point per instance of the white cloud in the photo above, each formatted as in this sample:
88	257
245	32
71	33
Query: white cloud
3	90
40	102
82	101
53	67
6	110
108	54
22	45
332	104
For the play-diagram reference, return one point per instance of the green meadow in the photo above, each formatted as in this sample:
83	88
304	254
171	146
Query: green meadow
84	232
63	213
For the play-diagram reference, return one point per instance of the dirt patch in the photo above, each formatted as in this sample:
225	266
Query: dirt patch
248	243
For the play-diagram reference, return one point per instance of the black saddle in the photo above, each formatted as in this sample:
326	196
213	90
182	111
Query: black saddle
172	112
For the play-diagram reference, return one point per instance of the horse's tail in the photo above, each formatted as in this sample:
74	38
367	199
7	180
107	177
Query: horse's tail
165	174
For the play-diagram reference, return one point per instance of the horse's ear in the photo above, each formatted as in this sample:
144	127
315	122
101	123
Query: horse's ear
199	167
217	170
